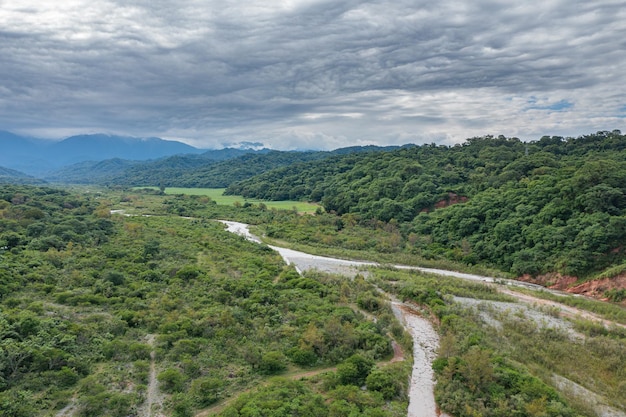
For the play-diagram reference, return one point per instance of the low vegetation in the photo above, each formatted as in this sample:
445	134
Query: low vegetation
82	291
500	361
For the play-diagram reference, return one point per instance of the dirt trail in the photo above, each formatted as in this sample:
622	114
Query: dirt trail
153	406
69	410
564	310
218	408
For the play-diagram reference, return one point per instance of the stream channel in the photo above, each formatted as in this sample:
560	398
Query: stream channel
425	338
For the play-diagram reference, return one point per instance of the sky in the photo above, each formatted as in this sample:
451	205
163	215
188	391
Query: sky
312	74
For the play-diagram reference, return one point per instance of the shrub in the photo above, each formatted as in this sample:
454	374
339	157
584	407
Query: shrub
206	391
272	362
172	380
354	370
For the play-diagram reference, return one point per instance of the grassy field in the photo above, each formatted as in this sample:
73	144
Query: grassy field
216	194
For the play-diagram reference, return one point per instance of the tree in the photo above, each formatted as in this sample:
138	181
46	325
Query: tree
477	368
354	370
384	381
272	362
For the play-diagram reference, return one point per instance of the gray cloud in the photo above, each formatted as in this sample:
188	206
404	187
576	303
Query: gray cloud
313	73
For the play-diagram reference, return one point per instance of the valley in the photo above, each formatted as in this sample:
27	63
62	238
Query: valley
123	296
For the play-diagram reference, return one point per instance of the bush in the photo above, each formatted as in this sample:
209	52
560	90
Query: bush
66	377
206	391
172	380
187	273
384	381
272	363
181	406
139	351
115	278
303	357
354	370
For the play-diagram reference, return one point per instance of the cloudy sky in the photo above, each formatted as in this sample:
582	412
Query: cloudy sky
312	74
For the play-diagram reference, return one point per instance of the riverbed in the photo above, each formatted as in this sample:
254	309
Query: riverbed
425	338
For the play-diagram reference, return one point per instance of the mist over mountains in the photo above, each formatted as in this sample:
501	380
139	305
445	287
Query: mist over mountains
121	160
37	156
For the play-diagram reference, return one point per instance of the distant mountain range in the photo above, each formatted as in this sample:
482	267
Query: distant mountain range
36	156
129	161
12	176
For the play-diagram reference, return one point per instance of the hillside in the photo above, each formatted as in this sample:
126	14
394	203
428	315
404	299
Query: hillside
11	176
553	206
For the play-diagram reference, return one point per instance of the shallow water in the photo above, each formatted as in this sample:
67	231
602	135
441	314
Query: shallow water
425	344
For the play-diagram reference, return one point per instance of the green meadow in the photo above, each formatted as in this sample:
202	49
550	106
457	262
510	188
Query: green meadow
217	195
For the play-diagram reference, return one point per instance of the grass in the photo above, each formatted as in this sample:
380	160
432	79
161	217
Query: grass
217	195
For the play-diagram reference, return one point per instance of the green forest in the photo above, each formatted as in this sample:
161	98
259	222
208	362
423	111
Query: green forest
556	205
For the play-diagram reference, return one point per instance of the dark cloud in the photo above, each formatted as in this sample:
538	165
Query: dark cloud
300	73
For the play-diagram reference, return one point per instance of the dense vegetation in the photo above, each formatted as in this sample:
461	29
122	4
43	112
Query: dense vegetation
90	301
553	205
94	305
86	297
121	172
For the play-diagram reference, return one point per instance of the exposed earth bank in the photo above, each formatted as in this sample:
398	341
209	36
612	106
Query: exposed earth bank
596	289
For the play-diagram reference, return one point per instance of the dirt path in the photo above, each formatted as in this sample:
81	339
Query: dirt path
218	408
69	410
153	406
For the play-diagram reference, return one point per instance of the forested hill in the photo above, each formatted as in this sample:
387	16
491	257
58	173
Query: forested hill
117	171
11	176
212	169
551	205
224	173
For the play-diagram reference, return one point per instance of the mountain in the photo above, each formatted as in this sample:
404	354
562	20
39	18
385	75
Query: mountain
22	153
100	147
167	171
37	156
90	172
11	176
